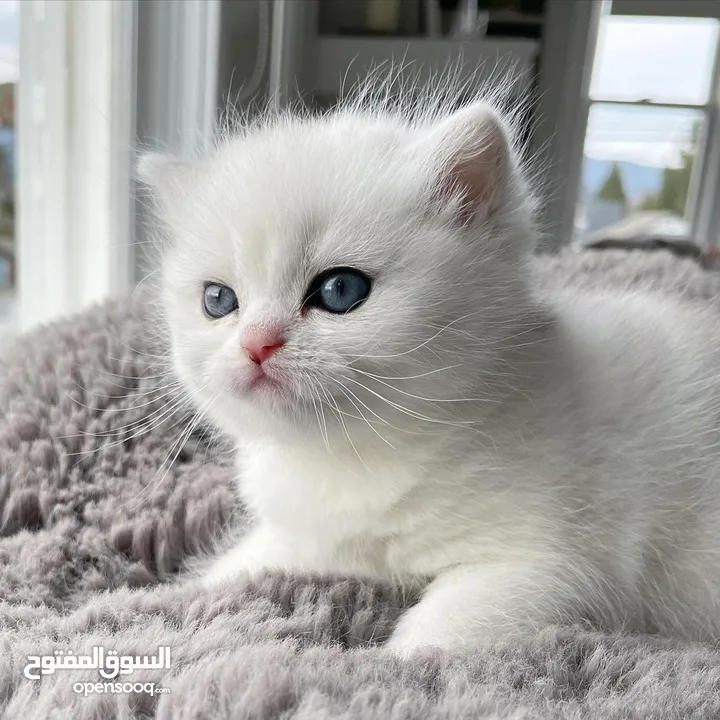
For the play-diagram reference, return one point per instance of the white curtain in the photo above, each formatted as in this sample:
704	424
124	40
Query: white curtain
80	114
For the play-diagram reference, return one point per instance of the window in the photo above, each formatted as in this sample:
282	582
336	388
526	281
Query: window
9	40
650	119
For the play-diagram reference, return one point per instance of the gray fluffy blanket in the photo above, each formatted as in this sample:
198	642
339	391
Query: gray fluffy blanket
95	530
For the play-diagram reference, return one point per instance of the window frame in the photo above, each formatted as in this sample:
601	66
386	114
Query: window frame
702	212
706	223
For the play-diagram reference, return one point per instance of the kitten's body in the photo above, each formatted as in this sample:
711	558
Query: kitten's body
535	462
597	496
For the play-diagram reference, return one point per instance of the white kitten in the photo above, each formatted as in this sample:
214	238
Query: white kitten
348	297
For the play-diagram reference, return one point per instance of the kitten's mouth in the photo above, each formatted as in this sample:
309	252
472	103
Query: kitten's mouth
260	379
255	381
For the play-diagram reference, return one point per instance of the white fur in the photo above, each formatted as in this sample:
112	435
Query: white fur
534	463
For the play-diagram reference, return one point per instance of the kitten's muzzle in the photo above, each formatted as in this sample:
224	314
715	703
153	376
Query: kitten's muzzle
259	342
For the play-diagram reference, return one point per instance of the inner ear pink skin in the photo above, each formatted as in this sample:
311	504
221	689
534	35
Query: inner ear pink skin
259	342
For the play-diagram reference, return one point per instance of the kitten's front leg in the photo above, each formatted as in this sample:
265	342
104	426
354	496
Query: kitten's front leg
261	549
478	604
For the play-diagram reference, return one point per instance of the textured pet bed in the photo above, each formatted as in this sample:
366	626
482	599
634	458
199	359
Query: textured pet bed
93	532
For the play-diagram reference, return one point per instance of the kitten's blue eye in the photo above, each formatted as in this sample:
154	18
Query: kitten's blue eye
339	290
219	300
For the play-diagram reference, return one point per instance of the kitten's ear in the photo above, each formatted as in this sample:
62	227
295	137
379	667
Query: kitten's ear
170	179
471	154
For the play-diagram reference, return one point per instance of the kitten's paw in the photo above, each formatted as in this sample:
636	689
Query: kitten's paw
217	575
400	649
250	557
422	628
407	642
230	568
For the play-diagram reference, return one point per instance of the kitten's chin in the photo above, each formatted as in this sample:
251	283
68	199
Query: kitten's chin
260	412
262	383
255	383
261	400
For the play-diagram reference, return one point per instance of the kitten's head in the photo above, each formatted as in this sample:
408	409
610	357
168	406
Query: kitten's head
358	272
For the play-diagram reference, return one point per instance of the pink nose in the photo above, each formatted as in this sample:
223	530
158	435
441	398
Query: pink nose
261	342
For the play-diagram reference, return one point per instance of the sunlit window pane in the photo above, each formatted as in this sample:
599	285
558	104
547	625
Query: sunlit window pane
668	60
638	172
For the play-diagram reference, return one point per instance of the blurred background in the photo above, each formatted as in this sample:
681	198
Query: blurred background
623	95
